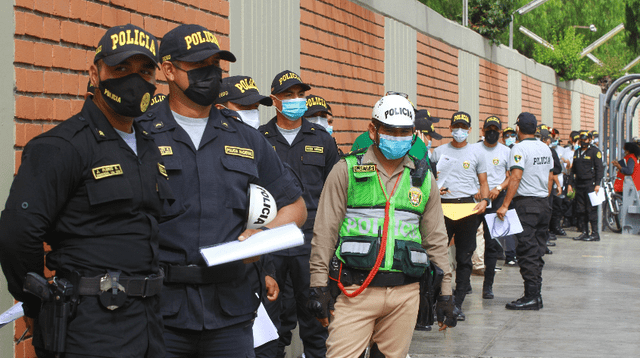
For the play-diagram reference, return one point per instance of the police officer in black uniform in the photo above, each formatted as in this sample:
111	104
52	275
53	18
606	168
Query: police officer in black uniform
211	158
311	152
586	174
93	189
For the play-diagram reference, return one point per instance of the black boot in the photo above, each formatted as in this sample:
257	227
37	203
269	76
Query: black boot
551	243
594	233
530	300
459	295
489	275
556	227
552	236
585	229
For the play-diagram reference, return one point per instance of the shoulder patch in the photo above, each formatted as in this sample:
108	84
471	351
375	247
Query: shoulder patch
599	155
107	171
517	158
240	152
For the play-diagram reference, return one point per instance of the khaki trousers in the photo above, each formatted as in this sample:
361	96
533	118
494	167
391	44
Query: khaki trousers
384	315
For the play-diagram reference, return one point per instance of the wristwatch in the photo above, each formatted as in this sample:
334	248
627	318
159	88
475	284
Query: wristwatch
499	187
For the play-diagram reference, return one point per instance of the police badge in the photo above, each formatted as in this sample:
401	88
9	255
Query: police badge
415	196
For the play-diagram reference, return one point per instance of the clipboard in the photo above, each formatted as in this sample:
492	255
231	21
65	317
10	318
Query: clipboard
457	211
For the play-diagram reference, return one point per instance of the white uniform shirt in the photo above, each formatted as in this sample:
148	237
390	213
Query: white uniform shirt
534	159
462	179
497	161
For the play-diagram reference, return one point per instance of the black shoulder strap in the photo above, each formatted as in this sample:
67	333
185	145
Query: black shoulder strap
360	152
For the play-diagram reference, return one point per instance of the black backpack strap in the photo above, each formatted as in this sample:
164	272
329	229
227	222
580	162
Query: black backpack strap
421	170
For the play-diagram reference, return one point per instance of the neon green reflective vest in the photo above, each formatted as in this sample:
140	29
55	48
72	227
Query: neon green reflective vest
363	225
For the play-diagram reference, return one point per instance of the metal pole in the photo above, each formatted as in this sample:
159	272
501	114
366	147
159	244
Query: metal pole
511	33
602	145
465	13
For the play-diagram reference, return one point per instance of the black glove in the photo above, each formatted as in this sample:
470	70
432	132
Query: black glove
444	311
320	301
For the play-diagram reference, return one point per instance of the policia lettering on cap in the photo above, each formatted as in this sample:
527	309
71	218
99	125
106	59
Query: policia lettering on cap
93	188
376	208
212	159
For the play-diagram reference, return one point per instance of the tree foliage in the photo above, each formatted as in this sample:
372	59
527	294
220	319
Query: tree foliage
551	21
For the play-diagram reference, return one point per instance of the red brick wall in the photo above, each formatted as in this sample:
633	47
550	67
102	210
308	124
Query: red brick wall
54	46
587	112
562	111
531	96
437	82
494	91
342	57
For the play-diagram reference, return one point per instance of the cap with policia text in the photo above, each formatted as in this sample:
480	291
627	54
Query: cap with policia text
425	125
461	117
286	79
316	104
492	121
121	42
527	120
585	134
191	43
241	90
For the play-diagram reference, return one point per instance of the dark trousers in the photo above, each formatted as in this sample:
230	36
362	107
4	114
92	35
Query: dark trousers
534	214
312	334
233	341
586	212
492	249
464	232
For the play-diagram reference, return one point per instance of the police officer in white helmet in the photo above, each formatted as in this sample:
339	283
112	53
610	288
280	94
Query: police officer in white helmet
385	219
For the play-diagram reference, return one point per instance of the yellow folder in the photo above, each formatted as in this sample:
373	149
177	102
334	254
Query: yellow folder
458	211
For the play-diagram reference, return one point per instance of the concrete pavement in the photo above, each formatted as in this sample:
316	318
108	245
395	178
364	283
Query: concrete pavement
591	293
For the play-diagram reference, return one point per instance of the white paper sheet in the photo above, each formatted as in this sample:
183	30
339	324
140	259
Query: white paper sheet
509	226
444	166
279	238
11	314
596	199
263	328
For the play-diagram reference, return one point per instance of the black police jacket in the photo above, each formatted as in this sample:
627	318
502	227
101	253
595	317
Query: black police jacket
210	187
587	167
311	155
81	189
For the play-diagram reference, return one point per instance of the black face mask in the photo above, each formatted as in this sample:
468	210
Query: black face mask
583	144
204	84
128	96
492	136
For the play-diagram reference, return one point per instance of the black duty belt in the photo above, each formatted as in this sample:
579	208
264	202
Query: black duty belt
140	286
202	275
381	279
468	199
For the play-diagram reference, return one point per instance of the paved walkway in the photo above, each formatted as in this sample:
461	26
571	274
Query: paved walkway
591	293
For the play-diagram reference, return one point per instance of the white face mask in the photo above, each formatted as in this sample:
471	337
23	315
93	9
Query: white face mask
250	117
324	122
460	134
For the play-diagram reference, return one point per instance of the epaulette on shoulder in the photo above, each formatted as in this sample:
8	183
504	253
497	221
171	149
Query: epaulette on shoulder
360	151
68	128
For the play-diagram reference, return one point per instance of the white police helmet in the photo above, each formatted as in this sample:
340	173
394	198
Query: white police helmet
394	111
262	207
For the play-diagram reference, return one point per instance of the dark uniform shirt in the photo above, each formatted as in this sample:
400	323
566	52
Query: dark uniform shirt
81	189
587	167
210	187
311	155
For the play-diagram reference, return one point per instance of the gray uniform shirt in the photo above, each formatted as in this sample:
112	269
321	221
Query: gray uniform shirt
462	179
534	159
497	161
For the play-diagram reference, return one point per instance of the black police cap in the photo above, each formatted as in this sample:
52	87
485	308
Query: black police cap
286	79
121	42
241	90
316	104
191	43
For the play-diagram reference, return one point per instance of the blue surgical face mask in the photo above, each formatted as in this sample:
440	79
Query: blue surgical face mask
509	141
554	143
394	147
460	134
330	130
428	145
576	146
294	108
